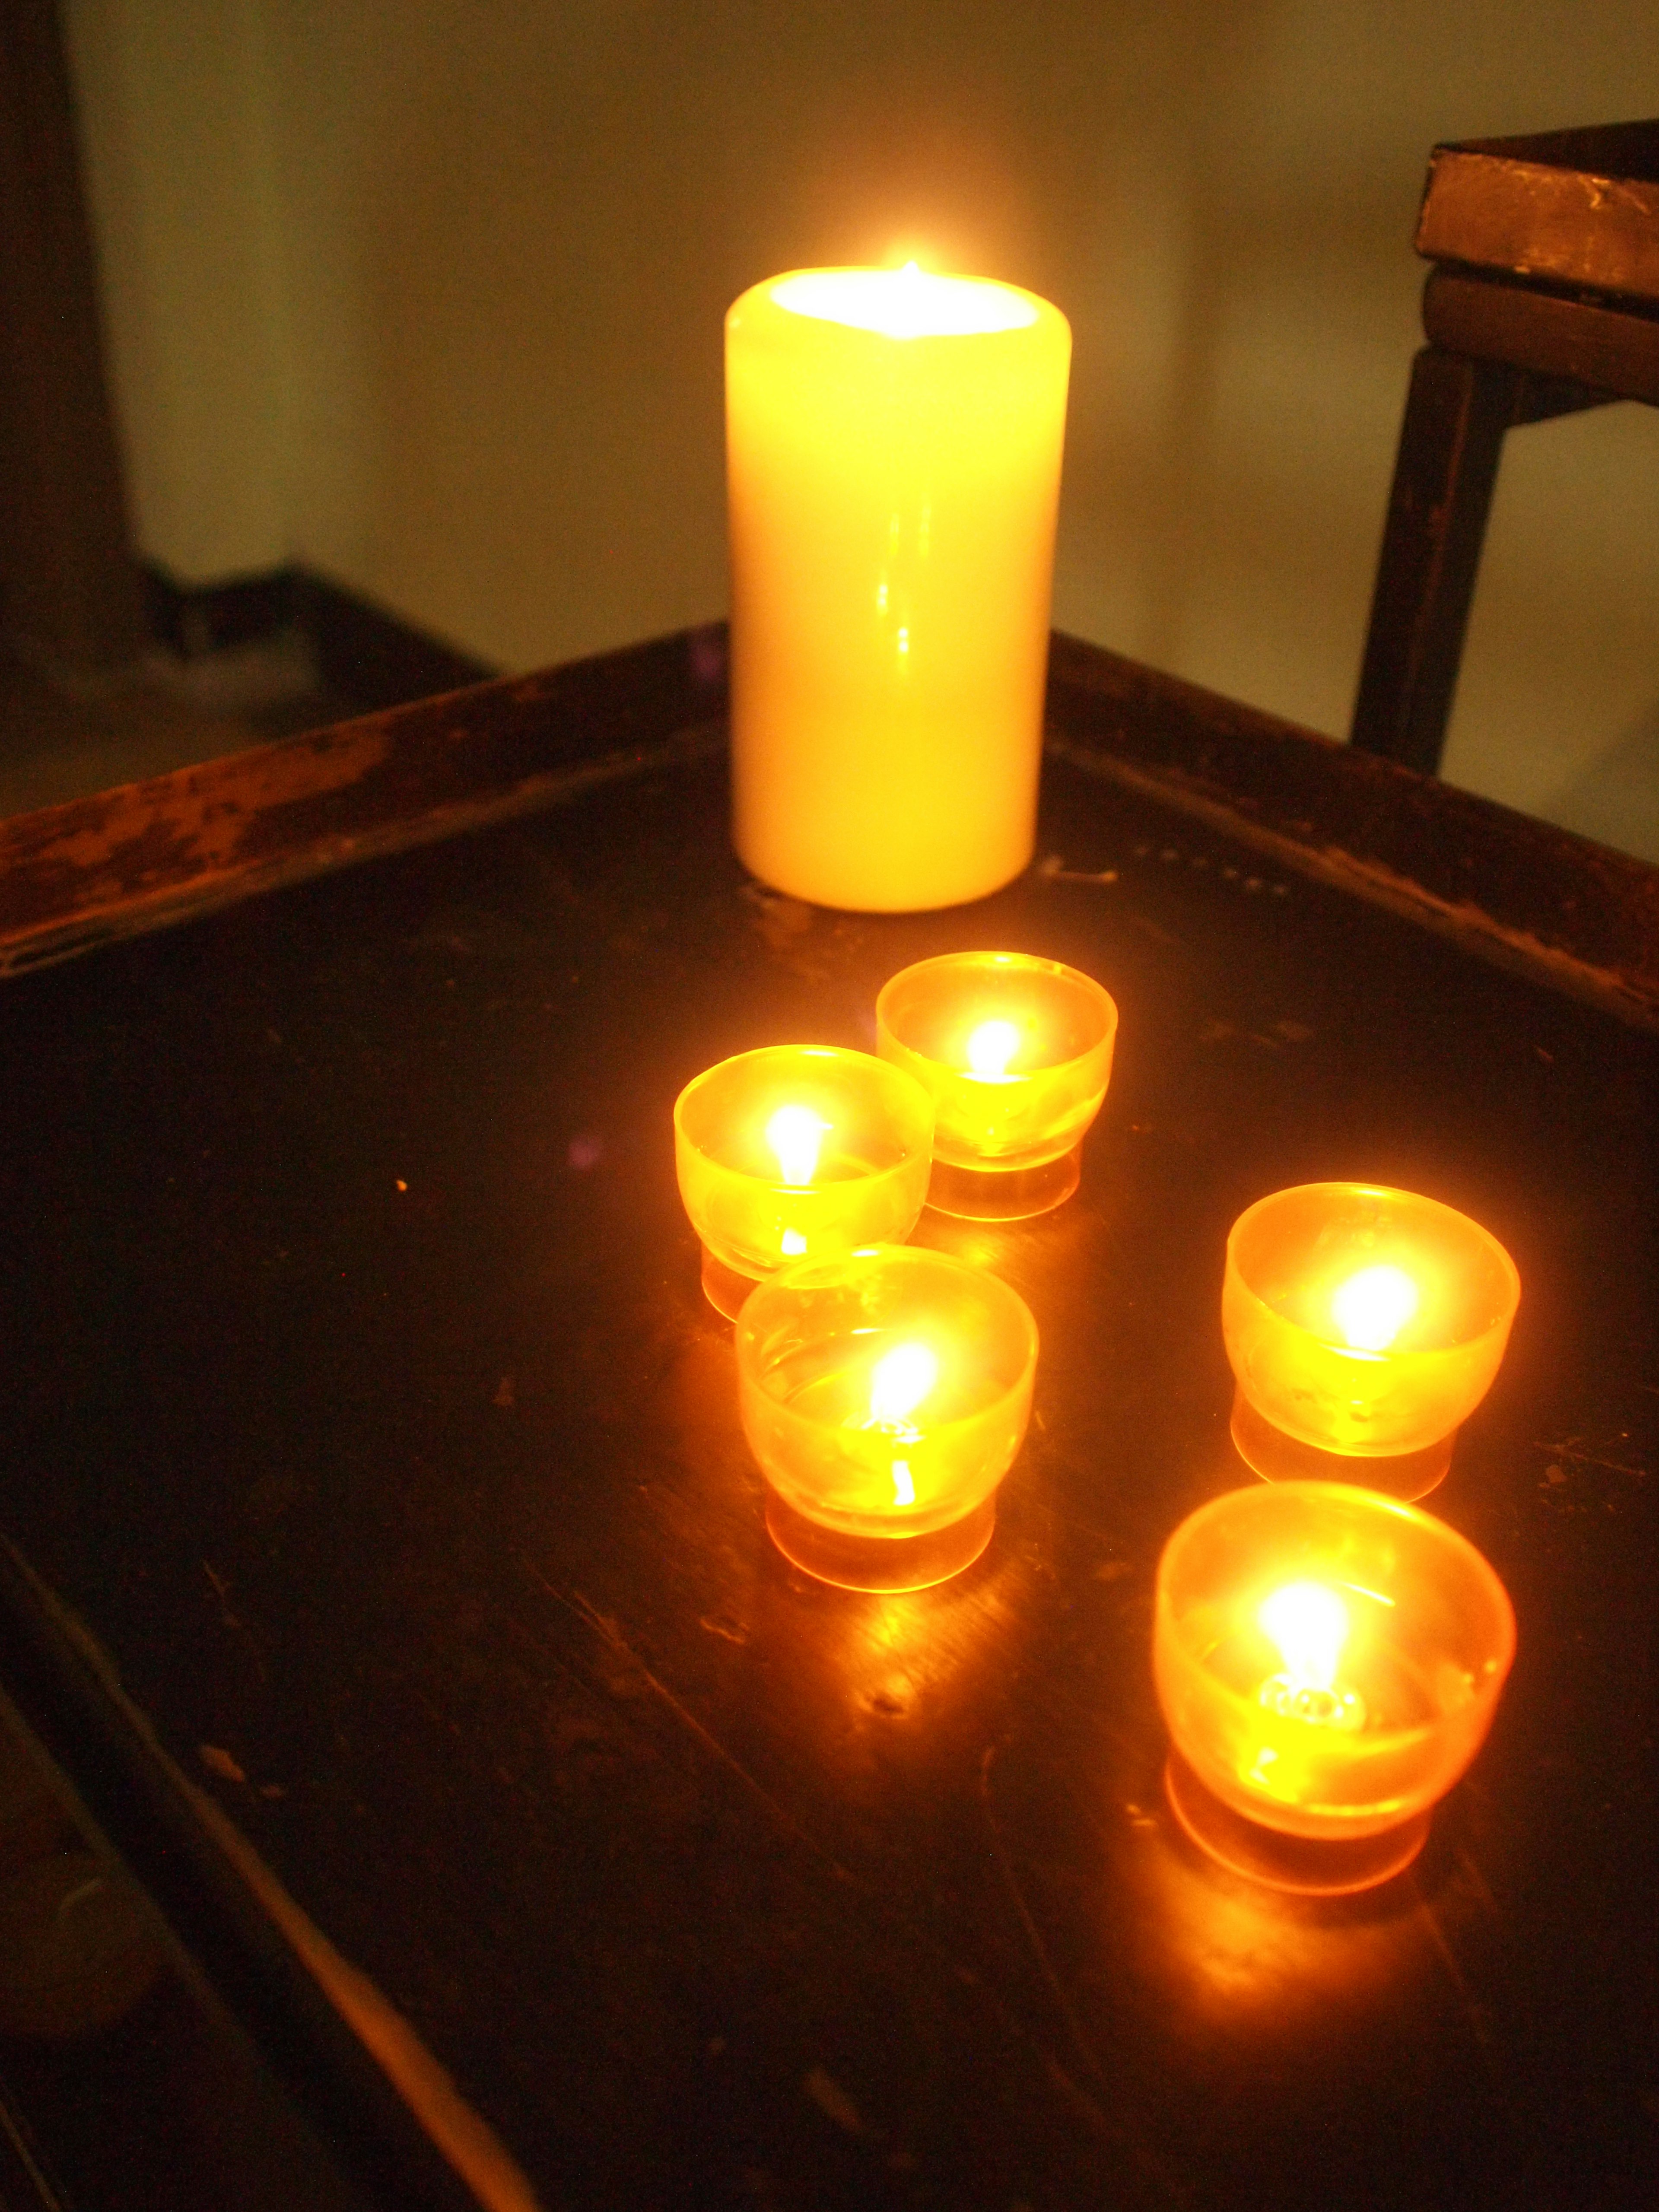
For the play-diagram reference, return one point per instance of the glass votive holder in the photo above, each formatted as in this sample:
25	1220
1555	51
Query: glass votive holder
885	1394
798	1152
1016	1053
1363	1326
1328	1660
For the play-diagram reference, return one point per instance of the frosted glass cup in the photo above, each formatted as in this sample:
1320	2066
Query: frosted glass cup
886	1396
1363	1326
1329	1661
1016	1053
795	1151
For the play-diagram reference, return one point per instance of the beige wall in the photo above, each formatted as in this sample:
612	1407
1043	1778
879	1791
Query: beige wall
177	110
429	293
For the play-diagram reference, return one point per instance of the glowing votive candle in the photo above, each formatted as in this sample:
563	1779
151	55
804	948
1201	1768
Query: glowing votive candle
797	1151
1363	1325
885	1394
1328	1660
893	445
1016	1053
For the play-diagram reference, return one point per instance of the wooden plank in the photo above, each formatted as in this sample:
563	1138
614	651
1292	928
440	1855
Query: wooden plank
1515	890
1518	891
1457	412
368	1425
1597	347
158	852
1577	207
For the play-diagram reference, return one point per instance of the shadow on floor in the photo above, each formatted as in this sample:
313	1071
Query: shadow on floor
60	740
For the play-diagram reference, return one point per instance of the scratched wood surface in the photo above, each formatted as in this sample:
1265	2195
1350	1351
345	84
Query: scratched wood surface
363	1408
1507	887
1579	209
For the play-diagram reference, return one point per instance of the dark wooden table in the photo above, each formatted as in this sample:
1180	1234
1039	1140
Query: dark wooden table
386	1566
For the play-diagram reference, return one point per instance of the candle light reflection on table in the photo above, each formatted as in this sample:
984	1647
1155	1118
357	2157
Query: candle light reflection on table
1226	1956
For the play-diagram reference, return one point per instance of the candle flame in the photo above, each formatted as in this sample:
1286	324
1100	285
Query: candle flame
991	1047
898	1383
1372	1307
792	1244
910	302
1309	1624
795	1134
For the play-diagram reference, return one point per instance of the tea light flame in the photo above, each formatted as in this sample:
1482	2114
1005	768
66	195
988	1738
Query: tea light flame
796	1135
990	1048
1309	1625
898	1383
1371	1307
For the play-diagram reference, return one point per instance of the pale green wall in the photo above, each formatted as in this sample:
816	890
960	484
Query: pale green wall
429	294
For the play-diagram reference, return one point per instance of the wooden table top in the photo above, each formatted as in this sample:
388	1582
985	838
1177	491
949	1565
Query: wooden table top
385	1565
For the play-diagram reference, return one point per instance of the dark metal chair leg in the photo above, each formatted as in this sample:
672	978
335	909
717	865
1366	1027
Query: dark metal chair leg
1457	413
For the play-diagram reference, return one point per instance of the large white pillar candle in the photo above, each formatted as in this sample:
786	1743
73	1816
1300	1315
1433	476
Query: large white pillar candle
893	445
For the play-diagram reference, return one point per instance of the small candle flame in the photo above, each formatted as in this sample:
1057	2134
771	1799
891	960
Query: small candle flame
1309	1625
792	1244
990	1048
1371	1307
898	1383
795	1134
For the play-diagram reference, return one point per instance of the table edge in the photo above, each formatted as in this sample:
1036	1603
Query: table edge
1519	892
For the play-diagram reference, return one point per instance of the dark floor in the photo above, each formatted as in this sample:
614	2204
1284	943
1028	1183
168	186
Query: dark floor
61	740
